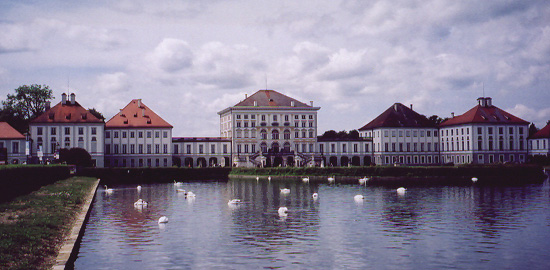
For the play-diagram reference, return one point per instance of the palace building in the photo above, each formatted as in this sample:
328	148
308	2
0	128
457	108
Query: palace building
12	145
484	134
138	137
67	125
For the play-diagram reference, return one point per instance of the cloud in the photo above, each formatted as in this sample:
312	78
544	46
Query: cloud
172	55
539	117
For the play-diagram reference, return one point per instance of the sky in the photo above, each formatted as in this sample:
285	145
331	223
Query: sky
188	60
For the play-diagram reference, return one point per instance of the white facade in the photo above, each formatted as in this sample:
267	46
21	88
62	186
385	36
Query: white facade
406	145
348	152
539	146
67	125
202	152
483	143
140	147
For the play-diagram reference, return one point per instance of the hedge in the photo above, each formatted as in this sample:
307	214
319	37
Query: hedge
17	180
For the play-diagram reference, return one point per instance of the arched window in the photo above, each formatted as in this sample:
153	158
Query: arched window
275	134
287	134
263	146
263	134
286	145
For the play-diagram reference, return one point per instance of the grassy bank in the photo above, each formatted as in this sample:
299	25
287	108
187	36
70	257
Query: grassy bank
17	180
32	227
466	171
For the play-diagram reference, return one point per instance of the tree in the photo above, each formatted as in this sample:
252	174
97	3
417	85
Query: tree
75	156
436	120
97	114
532	129
28	101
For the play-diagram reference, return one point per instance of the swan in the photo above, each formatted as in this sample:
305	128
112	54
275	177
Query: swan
474	179
234	201
180	190
269	178
285	190
283	211
163	219
177	183
331	179
305	179
315	195
358	197
363	180
140	202
138	188
108	190
401	191
257	178
190	194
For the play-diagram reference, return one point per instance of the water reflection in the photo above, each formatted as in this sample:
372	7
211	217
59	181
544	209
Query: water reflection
481	227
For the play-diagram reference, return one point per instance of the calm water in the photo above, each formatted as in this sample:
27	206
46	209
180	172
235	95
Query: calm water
473	227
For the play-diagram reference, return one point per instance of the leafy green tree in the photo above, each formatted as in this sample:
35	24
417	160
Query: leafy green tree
28	101
96	113
75	156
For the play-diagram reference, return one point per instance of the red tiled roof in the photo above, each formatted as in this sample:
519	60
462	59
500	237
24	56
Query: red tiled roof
8	132
270	98
137	115
398	115
488	114
67	113
543	133
200	139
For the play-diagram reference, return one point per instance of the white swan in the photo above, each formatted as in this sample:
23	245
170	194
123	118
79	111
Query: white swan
138	188
358	197
234	201
163	219
108	190
285	190
315	196
180	190
331	179
474	179
305	179
269	178
190	194
177	183
363	180
401	191
283	211
257	178
140	202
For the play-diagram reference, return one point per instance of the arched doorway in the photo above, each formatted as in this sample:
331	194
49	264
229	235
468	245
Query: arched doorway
286	147
344	161
201	162
263	147
213	162
290	161
188	162
367	160
277	161
333	161
355	161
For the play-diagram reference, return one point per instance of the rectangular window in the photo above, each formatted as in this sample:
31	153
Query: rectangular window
165	148
124	134
333	148
321	148
80	131
116	149
188	149
15	147
157	148
355	148
157	134
201	149
107	134
67	131
94	131
140	149
149	148
140	134
344	150
115	134
149	134
212	149
124	148
53	131
225	148
176	149
132	148
39	131
408	133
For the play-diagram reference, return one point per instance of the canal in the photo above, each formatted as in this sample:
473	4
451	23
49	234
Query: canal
439	227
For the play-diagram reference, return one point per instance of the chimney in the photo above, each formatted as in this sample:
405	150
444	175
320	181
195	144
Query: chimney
411	106
481	102
395	106
292	103
142	112
139	103
48	105
311	102
73	98
245	96
255	103
488	102
63	98
453	115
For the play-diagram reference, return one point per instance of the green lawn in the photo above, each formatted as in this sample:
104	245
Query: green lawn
32	227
